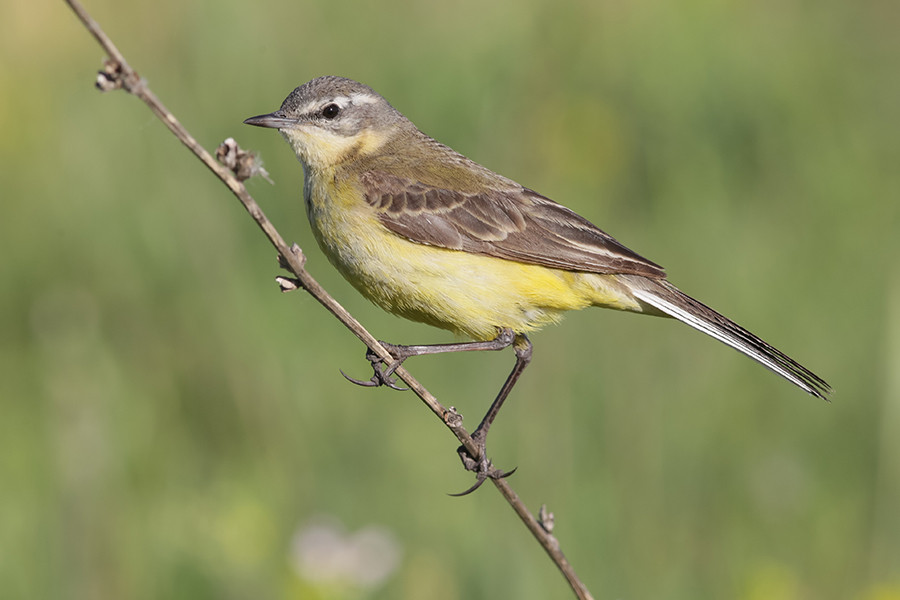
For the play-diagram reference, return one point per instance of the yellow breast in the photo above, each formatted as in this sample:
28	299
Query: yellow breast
472	295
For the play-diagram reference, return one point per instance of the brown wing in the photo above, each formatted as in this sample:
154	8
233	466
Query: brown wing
515	224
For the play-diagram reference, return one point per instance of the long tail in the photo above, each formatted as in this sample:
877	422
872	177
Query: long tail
665	297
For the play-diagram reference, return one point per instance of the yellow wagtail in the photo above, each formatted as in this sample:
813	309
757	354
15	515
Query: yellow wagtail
427	234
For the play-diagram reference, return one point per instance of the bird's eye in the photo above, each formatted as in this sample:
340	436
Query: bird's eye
331	111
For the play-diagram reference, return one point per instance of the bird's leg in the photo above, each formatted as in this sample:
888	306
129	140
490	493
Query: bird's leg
523	348
383	372
481	465
506	337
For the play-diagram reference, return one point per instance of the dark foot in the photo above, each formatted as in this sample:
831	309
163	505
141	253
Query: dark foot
383	371
483	468
383	374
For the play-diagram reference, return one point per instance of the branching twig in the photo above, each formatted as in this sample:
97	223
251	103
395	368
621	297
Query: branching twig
118	73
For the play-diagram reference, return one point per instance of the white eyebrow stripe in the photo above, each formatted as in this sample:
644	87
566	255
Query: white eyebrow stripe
342	101
356	98
361	98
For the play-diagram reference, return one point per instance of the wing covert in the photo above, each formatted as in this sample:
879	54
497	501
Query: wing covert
512	223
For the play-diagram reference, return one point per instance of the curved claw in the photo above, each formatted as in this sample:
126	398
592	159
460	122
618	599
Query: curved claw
363	382
483	476
507	474
482	467
383	372
384	376
377	380
392	383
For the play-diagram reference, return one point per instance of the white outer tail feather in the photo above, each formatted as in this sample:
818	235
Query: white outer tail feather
727	332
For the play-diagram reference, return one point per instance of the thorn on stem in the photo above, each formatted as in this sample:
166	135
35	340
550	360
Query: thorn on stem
117	75
287	284
298	252
285	263
110	78
242	163
546	519
452	417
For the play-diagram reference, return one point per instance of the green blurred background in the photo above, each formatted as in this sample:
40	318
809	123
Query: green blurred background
173	427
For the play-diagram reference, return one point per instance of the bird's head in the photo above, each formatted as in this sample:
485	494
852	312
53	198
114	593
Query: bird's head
330	120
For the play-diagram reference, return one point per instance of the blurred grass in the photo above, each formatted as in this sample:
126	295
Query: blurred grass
169	421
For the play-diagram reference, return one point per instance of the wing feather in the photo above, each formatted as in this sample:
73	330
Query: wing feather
512	223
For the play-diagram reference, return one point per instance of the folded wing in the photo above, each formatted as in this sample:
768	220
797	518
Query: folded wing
511	222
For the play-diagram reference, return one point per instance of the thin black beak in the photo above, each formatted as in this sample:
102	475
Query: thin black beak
275	120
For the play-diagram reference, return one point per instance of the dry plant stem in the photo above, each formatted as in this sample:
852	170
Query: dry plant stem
292	257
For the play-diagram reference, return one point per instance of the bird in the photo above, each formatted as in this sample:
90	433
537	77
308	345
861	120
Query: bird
430	235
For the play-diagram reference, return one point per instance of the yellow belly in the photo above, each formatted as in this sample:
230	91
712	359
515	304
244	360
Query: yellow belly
472	295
